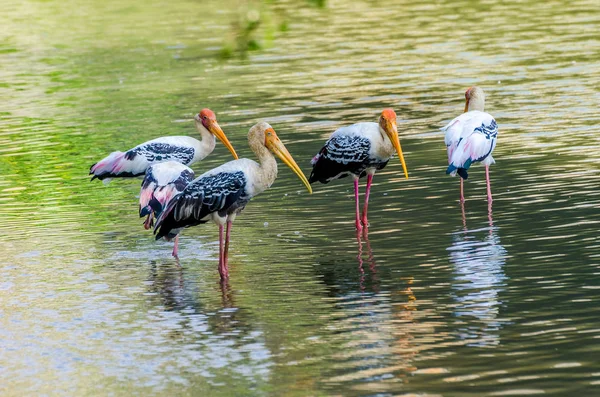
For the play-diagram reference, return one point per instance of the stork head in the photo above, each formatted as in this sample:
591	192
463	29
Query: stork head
263	134
474	99
387	122
208	120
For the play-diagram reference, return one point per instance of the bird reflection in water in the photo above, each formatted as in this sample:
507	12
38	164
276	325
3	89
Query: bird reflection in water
478	259
360	236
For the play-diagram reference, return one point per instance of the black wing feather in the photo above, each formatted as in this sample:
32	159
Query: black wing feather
342	155
215	193
158	152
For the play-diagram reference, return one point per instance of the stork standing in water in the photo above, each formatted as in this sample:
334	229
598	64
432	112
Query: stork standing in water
471	138
161	183
222	193
183	149
358	150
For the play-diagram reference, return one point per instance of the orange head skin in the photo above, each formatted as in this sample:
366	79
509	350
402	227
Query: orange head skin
209	120
387	122
207	117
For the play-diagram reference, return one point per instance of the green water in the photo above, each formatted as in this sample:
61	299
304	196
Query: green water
500	301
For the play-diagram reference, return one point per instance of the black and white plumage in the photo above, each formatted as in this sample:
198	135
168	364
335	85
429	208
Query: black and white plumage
348	151
183	149
358	150
471	138
161	183
222	193
215	195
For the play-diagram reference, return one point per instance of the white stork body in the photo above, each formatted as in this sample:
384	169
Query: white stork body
358	150
471	138
161	183
182	149
134	162
222	193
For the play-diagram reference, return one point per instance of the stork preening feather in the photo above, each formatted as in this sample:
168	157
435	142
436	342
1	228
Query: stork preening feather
162	182
471	138
358	150
222	193
182	149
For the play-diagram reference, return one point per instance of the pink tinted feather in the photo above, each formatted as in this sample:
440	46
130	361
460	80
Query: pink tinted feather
146	195
109	164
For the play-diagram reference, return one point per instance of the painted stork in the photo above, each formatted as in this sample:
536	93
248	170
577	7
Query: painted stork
471	138
358	150
162	182
183	149
222	193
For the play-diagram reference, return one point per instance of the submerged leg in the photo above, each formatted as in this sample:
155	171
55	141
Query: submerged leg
487	178
462	195
365	221
358	225
176	246
222	267
226	249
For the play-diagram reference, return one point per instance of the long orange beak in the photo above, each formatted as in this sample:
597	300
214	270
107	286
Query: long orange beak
392	133
216	130
466	105
274	144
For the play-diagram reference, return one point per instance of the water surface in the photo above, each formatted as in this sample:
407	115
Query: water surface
438	300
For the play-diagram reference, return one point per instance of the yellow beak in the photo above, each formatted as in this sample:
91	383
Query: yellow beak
466	105
216	130
393	135
274	144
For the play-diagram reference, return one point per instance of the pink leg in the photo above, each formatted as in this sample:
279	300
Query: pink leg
222	267
176	246
487	178
365	221
358	225
226	249
462	196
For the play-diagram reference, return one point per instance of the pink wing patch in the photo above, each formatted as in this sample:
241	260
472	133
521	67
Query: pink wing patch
111	164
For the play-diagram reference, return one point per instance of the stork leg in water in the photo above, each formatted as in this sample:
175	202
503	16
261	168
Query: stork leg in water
226	249
487	178
462	194
176	247
358	225
222	265
365	221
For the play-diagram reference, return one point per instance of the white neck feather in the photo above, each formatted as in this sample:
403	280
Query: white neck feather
268	167
387	149
208	141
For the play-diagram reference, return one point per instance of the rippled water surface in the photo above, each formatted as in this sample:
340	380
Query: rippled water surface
439	300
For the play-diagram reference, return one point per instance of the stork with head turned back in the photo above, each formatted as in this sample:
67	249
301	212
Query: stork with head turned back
471	138
183	149
222	193
358	150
